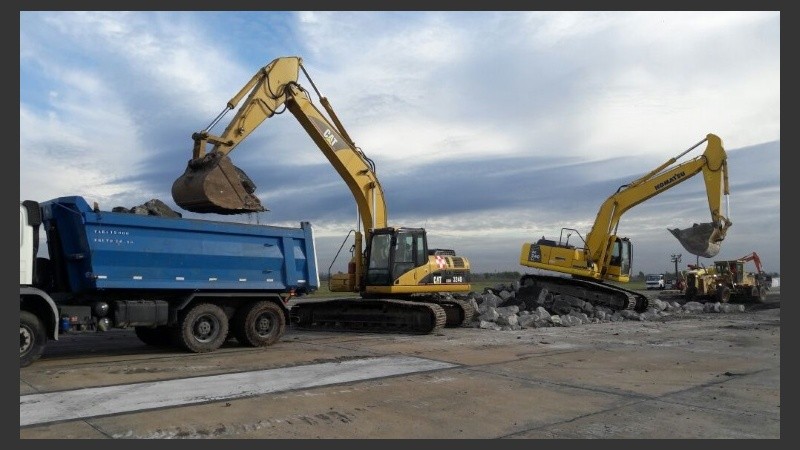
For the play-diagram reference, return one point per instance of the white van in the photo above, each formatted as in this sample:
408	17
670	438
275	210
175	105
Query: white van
654	281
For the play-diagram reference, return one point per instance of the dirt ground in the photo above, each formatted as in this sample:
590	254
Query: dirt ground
693	376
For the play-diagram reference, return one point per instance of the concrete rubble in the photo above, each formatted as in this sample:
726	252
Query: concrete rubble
497	309
154	207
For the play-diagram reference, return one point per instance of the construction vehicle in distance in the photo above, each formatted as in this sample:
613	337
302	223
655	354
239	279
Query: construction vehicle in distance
763	277
402	283
604	256
727	280
172	280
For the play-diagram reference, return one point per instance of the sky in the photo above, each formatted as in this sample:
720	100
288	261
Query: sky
489	129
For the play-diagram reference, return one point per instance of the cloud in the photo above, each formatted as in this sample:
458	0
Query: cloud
488	128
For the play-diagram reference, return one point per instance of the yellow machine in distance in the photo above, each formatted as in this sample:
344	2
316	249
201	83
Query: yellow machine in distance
604	256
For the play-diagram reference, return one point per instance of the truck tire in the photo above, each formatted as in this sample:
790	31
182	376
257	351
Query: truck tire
32	338
723	294
157	337
204	328
259	324
762	295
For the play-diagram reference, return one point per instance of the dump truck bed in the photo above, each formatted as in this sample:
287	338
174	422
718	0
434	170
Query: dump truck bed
116	250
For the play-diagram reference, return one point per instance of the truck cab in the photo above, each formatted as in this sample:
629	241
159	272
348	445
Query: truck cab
654	281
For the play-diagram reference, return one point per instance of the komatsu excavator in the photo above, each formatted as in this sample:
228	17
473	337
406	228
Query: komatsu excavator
604	256
400	280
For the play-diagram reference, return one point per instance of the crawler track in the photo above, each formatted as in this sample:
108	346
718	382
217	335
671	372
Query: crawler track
459	312
369	315
596	293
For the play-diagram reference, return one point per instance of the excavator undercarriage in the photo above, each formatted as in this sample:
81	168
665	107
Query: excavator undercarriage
369	315
420	314
532	287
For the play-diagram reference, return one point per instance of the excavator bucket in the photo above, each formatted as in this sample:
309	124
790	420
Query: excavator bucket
702	239
212	184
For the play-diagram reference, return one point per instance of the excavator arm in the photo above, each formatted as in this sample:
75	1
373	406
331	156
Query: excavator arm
756	260
211	183
702	240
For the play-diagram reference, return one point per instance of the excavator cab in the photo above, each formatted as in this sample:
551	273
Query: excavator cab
393	252
621	263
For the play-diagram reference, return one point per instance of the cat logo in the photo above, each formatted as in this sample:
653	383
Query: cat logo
330	137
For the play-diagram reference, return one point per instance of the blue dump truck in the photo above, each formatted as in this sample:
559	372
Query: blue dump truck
173	280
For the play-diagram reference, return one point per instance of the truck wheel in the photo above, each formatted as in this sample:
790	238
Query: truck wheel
203	328
723	294
762	295
157	337
259	324
32	338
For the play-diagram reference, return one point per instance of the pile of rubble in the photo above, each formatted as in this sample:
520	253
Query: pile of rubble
498	309
154	207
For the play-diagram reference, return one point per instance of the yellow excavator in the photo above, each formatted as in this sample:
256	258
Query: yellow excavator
400	280
604	256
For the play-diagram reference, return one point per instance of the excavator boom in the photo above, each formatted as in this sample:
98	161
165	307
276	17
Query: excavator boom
699	239
756	260
212	184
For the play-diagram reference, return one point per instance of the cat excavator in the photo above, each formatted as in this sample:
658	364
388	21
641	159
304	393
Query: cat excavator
584	266
403	284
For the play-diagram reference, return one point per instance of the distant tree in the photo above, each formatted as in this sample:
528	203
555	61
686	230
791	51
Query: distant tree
496	276
640	277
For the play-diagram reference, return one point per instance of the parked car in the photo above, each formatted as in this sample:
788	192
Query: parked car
655	281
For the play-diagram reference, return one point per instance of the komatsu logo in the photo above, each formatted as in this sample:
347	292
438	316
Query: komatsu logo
670	180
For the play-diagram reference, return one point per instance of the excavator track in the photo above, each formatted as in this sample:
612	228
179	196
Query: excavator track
596	293
369	315
459	312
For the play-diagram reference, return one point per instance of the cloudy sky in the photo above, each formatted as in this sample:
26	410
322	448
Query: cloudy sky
489	129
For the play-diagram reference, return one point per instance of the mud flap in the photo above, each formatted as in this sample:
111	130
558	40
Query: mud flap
702	239
212	184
